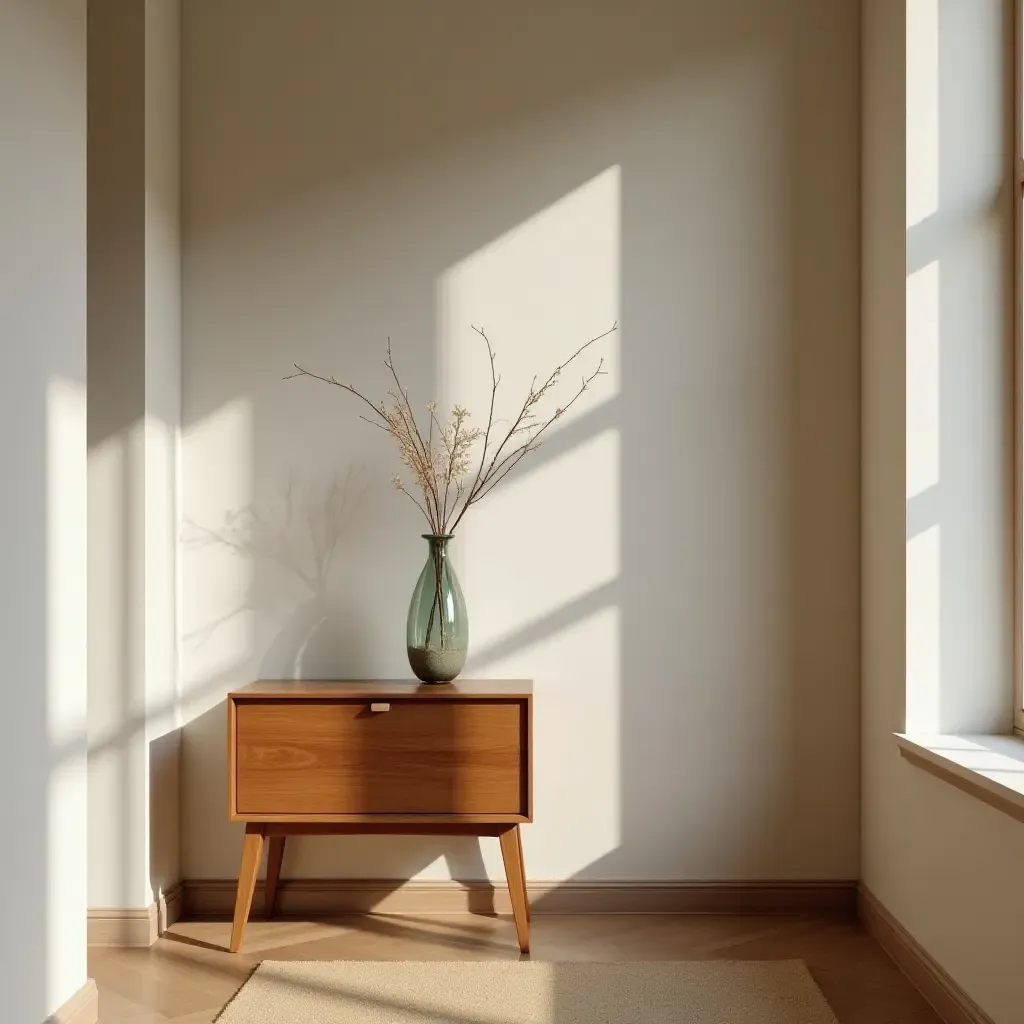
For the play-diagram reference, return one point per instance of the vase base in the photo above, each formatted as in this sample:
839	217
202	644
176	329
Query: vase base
436	666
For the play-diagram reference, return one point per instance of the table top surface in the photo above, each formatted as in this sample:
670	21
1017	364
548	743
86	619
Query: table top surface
481	689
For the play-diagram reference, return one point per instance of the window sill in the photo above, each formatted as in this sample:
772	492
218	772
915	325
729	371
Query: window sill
990	768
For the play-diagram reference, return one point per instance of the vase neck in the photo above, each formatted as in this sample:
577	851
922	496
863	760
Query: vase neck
438	543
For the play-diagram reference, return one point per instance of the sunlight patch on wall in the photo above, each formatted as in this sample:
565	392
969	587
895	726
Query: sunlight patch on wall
924	632
66	674
160	440
542	541
923	394
922	109
117	718
540	566
117	581
539	558
564	758
586	649
540	291
109	537
66	561
217	628
923	568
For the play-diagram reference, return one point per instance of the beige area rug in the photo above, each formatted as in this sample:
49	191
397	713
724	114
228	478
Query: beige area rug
529	992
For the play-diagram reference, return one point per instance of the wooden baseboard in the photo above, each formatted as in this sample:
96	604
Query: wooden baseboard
123	926
170	906
135	926
946	997
82	1008
328	897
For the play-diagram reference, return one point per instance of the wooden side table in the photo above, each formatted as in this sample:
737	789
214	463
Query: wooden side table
347	758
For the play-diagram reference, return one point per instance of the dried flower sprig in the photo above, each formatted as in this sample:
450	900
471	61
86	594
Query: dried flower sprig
441	459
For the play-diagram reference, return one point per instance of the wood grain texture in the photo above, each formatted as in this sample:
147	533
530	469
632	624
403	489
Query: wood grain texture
339	758
515	873
478	689
522	871
252	848
315	756
949	1000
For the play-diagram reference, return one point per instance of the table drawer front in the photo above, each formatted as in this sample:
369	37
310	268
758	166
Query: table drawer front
419	757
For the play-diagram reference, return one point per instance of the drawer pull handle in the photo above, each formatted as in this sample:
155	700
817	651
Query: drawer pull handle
380	707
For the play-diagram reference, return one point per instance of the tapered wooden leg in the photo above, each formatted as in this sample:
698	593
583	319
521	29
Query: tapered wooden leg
512	856
522	869
275	854
251	851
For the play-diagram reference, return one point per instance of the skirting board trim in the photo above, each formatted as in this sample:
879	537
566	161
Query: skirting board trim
946	997
82	1008
326	897
169	906
123	926
129	927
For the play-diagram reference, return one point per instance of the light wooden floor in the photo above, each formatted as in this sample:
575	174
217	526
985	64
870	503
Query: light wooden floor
187	977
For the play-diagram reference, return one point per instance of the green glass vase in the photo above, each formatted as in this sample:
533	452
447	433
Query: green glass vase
437	631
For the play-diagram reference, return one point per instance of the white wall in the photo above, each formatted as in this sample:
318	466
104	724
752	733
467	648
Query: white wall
677	568
163	422
43	514
118	776
937	636
134	413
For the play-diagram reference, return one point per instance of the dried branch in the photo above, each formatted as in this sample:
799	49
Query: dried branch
414	433
440	472
399	485
532	399
535	395
533	444
495	381
337	383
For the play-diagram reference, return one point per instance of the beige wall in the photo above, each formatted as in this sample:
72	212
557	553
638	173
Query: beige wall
43	511
678	568
937	637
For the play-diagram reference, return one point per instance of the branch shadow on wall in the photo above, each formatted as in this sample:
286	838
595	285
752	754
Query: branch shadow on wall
297	544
